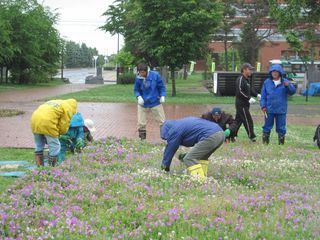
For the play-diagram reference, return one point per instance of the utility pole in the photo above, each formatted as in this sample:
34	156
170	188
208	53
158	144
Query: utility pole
62	62
63	44
95	63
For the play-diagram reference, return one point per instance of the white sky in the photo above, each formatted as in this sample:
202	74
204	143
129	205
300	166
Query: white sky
79	21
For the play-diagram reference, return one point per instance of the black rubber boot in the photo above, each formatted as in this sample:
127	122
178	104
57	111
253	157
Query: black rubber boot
52	161
266	138
281	140
142	134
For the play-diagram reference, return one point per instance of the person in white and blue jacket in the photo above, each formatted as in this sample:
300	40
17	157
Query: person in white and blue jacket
274	103
204	136
150	91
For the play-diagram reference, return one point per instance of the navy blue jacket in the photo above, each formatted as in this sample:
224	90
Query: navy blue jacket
186	132
275	98
150	89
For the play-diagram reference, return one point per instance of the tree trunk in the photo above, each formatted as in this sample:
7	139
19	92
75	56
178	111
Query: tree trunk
173	80
226	52
206	72
185	72
164	74
1	77
7	73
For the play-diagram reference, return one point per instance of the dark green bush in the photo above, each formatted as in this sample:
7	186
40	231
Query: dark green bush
126	78
109	68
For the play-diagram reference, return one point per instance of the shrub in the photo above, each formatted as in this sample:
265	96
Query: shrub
126	78
109	68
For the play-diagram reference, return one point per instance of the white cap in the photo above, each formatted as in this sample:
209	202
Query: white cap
90	125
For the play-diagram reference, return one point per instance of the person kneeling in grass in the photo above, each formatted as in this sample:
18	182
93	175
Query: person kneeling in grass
204	136
79	133
225	121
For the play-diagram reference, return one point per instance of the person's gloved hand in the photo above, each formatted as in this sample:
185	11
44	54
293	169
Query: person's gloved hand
259	97
140	101
64	137
227	132
264	109
162	99
252	100
165	168
79	143
181	156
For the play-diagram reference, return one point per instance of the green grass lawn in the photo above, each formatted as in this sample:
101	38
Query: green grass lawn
10	87
13	154
190	91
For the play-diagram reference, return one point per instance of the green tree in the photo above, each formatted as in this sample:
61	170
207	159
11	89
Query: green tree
298	21
257	28
166	33
125	58
225	28
6	47
34	42
77	55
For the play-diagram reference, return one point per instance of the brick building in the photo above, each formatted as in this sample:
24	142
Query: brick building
274	47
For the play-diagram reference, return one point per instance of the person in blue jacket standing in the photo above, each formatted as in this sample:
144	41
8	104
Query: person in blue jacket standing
150	91
204	136
274	102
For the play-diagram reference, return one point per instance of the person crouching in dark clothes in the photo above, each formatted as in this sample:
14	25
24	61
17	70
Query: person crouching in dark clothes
224	120
244	91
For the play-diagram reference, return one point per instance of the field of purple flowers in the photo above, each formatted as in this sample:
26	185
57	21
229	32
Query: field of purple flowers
115	190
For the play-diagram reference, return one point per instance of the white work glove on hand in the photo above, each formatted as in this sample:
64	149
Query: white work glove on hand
252	100
140	101
162	99
259	97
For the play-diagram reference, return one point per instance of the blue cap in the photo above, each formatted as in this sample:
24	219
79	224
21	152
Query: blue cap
216	111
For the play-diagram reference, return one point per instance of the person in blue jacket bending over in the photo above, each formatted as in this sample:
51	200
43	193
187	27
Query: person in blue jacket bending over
74	138
274	102
204	136
150	91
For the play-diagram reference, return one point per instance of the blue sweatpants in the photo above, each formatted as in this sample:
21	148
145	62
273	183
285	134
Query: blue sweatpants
280	123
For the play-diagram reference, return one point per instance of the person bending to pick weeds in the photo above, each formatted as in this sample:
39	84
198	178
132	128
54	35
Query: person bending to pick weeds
48	122
204	136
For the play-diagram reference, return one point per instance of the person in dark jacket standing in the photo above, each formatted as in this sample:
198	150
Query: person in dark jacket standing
244	93
224	120
204	136
150	92
274	102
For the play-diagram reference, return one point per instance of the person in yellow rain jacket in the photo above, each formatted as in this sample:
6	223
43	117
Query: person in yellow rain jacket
48	122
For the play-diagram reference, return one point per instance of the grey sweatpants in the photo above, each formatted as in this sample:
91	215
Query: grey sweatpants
203	149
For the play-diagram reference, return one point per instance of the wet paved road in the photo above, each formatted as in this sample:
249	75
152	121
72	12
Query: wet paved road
114	119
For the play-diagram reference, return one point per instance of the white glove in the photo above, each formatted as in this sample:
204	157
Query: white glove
252	100
140	101
259	97
162	99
